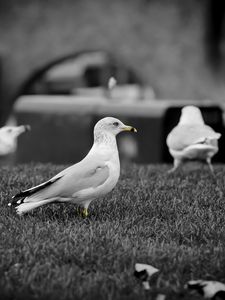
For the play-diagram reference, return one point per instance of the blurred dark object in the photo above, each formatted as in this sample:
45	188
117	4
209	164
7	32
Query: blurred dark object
62	127
67	74
212	115
6	90
1	91
215	31
57	138
66	138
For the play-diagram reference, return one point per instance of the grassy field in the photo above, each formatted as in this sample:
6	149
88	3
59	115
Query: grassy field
173	222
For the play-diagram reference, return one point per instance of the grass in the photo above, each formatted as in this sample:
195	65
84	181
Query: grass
173	222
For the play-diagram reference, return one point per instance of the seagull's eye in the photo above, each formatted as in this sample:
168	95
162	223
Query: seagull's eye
116	124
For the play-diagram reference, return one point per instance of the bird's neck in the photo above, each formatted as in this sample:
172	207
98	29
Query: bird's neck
188	120
106	146
105	139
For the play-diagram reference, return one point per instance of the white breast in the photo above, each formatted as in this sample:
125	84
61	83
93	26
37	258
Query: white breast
112	161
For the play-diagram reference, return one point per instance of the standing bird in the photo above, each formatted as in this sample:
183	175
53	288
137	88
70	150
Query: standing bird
192	139
94	176
8	138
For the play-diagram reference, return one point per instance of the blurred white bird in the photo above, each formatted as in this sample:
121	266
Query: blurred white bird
94	176
209	289
192	139
160	297
144	273
112	83
8	138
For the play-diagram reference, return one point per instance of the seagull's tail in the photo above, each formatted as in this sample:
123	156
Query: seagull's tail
28	206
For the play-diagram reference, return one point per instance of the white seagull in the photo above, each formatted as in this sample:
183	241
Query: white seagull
209	289
8	138
112	83
94	176
192	138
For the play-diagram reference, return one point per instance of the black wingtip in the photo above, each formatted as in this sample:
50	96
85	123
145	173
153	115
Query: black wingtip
19	197
142	275
15	201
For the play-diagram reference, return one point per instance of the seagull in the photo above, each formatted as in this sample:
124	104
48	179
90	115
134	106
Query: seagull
144	273
192	138
94	176
209	289
8	138
112	83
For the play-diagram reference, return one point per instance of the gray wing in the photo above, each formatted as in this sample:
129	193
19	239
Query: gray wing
86	174
33	190
36	188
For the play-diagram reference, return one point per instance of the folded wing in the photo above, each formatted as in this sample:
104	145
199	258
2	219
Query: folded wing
81	176
35	189
183	136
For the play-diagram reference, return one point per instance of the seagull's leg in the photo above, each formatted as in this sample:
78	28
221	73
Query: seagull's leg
84	212
176	164
208	160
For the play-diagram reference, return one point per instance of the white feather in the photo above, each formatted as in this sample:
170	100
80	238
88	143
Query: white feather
25	207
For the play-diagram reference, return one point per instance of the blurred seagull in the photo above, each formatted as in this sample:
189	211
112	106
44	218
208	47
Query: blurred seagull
94	176
112	83
144	273
209	289
192	139
160	297
8	138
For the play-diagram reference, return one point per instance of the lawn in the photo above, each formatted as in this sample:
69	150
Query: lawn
174	222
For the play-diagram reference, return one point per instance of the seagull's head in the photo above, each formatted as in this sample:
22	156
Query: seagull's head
12	132
191	115
112	126
8	138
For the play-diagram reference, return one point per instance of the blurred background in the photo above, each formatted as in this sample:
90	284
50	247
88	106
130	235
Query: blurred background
56	58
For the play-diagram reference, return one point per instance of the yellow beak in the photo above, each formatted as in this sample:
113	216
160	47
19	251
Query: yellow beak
129	128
